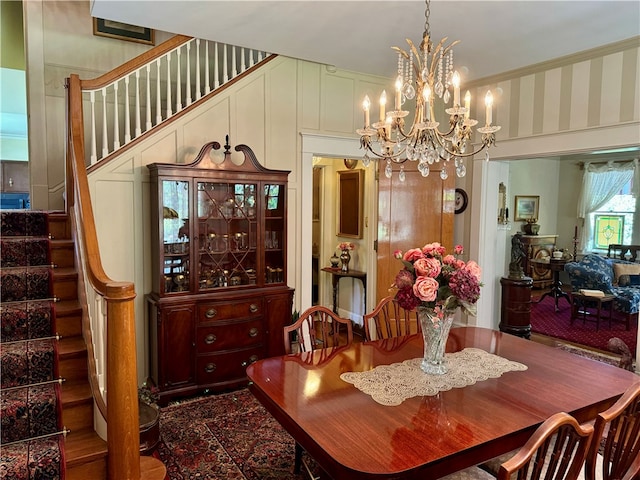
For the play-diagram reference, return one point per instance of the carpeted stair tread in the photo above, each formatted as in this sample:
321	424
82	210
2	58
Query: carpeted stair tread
25	283
25	251
29	362
23	223
37	459
29	412
27	320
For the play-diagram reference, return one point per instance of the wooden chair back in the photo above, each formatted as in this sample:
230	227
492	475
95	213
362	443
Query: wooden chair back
390	320
556	451
617	437
620	251
318	327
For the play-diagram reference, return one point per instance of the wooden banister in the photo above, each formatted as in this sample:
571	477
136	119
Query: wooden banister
121	413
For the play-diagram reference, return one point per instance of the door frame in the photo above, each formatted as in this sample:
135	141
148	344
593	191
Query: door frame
314	145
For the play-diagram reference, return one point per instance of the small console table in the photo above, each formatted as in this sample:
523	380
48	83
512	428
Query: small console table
555	266
337	274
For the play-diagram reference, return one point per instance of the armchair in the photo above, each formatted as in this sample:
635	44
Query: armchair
596	272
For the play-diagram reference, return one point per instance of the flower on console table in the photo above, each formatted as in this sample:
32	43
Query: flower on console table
346	246
433	279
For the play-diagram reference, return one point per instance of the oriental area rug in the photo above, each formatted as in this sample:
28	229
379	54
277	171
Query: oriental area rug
546	321
228	436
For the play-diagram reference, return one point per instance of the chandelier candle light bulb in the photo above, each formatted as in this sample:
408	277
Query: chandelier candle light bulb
467	104
456	89
488	101
383	103
365	105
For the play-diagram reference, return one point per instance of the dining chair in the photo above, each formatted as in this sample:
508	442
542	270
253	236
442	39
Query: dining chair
615	450
388	319
556	451
316	328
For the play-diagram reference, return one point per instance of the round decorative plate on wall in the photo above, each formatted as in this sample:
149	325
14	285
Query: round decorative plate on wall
461	200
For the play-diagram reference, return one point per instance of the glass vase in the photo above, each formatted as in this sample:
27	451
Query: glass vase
435	331
345	257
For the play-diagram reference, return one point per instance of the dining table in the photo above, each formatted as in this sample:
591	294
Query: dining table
346	407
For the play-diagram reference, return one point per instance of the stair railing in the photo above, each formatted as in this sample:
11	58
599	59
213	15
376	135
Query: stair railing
133	99
109	319
116	322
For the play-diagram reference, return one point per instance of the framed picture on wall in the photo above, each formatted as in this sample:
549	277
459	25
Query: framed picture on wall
350	198
526	207
122	31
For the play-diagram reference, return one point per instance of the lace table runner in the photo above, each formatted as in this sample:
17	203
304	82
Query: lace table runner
393	384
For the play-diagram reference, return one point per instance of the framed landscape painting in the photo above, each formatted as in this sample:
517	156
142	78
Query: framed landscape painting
122	31
526	207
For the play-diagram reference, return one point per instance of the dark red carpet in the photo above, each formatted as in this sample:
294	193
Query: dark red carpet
546	321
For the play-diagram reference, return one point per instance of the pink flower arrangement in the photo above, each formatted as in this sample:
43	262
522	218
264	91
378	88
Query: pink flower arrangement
346	246
433	279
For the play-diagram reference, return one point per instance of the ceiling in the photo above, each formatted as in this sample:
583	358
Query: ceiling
357	35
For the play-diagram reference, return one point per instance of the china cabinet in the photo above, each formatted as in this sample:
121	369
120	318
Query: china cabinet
219	296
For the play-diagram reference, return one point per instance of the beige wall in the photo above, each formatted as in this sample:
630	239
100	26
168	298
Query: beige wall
588	102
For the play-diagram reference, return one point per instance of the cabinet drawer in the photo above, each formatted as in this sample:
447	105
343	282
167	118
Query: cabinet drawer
235	335
225	367
210	312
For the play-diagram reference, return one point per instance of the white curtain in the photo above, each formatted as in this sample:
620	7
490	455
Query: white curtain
600	183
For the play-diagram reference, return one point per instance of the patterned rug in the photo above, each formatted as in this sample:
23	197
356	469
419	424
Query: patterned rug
229	436
546	321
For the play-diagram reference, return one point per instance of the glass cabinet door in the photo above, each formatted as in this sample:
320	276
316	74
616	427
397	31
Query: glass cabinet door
274	232
175	236
226	234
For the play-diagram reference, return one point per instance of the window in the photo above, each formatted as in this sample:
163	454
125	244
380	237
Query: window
613	222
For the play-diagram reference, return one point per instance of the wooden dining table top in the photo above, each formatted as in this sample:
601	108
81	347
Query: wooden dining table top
353	437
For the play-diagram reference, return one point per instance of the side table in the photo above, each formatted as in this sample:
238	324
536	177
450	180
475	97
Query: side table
337	274
580	305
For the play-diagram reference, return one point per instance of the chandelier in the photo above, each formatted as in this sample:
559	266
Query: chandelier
423	75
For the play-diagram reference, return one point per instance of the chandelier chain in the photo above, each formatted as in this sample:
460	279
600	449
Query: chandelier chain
427	13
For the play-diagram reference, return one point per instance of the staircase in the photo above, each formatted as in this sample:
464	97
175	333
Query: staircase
85	451
87	300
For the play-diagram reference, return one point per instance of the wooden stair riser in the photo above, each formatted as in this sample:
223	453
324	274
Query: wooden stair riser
73	369
62	254
94	470
65	285
78	416
59	227
69	318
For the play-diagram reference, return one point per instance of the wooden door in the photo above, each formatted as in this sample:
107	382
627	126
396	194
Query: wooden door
411	214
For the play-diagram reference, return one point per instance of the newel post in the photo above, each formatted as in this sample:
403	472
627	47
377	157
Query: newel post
123	431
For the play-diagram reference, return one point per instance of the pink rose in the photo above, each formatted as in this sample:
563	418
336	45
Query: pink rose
433	249
397	254
450	260
473	268
458	249
426	289
412	255
427	267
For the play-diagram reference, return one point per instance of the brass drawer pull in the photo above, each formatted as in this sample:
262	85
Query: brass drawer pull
253	308
209	339
210	367
212	312
253	332
252	359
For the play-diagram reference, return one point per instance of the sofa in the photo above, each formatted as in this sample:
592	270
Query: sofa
612	276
